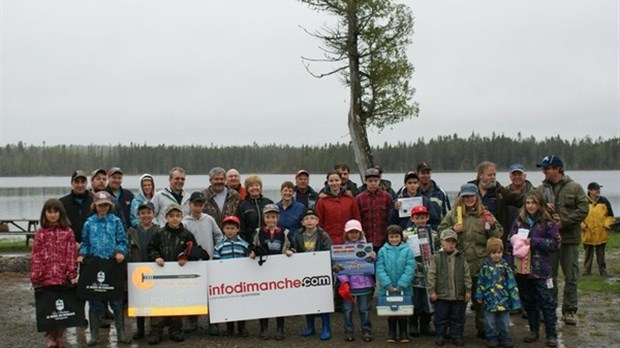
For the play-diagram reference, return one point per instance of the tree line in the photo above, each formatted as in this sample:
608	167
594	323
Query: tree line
445	153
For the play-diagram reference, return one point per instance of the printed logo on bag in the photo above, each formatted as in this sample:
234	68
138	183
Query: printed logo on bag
244	289
60	304
101	276
60	313
100	286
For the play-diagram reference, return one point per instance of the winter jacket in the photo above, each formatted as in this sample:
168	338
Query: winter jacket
124	198
78	209
357	281
162	199
572	205
497	287
231	249
544	240
274	243
448	276
169	244
512	211
53	260
290	217
138	239
308	198
334	212
595	228
497	200
438	197
138	198
250	214
374	209
323	241
231	203
433	209
472	241
395	267
103	237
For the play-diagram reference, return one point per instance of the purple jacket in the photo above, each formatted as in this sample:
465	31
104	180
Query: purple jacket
358	281
544	240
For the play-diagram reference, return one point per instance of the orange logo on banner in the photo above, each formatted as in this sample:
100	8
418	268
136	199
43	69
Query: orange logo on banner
142	277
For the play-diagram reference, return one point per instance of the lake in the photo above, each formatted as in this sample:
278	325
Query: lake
23	197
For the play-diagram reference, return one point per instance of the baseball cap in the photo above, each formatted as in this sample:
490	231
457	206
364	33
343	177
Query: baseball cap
197	197
449	233
550	161
372	173
96	172
594	186
114	170
78	174
468	190
310	212
301	171
517	167
271	208
172	207
352	225
424	166
102	197
146	205
419	209
231	220
411	175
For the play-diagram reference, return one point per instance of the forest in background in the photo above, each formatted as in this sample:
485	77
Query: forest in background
445	154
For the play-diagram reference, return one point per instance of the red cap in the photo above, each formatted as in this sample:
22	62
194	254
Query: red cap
233	219
419	209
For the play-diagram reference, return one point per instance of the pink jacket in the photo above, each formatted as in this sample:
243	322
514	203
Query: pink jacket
54	256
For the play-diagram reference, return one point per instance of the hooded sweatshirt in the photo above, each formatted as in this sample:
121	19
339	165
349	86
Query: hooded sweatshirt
139	198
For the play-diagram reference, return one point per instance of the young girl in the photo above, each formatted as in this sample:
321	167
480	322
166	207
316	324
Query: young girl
53	256
395	270
356	288
103	236
543	237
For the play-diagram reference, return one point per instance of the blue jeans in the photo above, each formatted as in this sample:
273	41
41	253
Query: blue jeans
363	302
536	299
450	314
497	324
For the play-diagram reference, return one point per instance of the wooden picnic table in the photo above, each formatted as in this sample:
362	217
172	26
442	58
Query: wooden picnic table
20	227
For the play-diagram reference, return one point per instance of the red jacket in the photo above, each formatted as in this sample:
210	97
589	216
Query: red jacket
334	212
54	257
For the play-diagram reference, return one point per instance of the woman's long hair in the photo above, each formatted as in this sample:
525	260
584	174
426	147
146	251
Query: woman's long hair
542	213
478	208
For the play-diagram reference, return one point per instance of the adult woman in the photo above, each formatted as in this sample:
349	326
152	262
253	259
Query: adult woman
250	209
336	208
146	191
476	227
290	210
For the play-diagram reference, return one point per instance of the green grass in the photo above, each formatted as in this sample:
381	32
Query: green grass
15	245
614	240
596	283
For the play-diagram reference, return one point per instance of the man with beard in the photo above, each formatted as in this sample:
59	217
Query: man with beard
233	181
220	200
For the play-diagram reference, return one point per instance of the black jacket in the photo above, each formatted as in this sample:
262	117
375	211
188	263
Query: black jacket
78	209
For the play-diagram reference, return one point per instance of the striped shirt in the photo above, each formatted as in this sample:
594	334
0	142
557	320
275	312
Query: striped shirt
231	249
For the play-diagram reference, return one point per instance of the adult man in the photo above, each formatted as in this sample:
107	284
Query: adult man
172	194
568	204
349	185
374	206
305	194
220	201
77	203
429	189
520	185
124	197
596	229
98	181
233	181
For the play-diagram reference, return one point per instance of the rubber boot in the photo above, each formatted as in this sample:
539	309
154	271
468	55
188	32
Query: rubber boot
119	323
264	329
413	325
140	328
425	325
403	337
309	330
243	332
391	331
326	329
279	328
94	323
191	324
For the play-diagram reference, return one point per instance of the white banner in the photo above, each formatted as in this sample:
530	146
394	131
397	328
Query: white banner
240	289
167	291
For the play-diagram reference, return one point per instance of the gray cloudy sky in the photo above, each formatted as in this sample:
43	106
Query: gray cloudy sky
229	72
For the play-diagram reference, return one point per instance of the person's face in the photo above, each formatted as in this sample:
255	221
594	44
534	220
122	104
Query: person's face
302	181
594	193
425	176
174	218
233	179
103	209
271	220
344	174
448	245
487	179
531	206
354	235
310	221
470	201
287	194
115	180
146	216
78	185
517	178
496	255
147	187
196	207
231	231
177	181
334	182
98	182
394	239
412	186
372	184
254	190
420	219
217	182
552	174
52	216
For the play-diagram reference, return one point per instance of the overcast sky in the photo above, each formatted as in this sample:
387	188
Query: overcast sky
229	72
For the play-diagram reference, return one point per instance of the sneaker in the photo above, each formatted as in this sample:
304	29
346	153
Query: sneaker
439	341
530	337
367	336
349	337
404	340
569	318
552	342
391	340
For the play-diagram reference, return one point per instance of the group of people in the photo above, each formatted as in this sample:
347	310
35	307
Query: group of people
499	246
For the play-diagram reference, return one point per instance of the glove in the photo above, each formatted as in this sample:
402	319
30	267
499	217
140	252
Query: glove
345	292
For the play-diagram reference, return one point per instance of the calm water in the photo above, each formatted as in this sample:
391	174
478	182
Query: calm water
23	197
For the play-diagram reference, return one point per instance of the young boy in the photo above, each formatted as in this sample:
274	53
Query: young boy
498	289
232	247
420	321
449	267
374	205
207	234
172	243
139	238
313	238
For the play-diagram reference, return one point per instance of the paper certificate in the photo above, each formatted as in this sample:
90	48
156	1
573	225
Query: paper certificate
407	204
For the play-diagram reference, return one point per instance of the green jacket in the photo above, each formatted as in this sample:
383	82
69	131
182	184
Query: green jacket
571	203
449	283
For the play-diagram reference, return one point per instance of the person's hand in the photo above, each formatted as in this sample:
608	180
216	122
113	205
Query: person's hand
159	261
119	257
433	297
80	259
182	262
458	228
527	241
252	255
467	297
398	204
288	252
479	301
73	281
393	289
373	255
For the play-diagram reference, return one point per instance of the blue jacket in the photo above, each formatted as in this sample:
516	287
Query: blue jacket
103	237
497	287
290	218
395	266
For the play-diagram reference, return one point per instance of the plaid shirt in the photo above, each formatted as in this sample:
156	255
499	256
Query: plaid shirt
374	210
54	256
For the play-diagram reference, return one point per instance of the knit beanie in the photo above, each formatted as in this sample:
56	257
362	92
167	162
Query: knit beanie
494	244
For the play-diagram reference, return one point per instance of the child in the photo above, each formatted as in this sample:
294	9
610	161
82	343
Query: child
420	321
232	247
543	238
273	240
313	238
172	243
139	238
395	271
498	289
207	234
449	267
356	288
53	256
103	236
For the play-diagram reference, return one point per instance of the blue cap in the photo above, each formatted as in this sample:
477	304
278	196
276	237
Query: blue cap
550	161
468	190
517	167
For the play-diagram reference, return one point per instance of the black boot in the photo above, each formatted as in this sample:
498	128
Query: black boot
243	332
391	331
279	328
425	325
403	337
140	328
264	329
413	325
94	321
